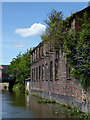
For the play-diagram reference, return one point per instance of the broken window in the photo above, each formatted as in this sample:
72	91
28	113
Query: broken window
57	55
56	70
42	72
42	51
67	70
46	71
32	57
32	75
39	73
51	70
39	52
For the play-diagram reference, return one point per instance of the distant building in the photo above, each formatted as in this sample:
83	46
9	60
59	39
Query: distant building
5	76
50	73
1	73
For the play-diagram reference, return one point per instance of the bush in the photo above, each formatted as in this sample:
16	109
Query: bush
19	87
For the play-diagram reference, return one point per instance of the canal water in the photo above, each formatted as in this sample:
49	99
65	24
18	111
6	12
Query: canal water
17	105
26	106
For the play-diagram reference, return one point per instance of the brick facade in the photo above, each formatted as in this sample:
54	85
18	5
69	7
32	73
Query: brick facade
50	75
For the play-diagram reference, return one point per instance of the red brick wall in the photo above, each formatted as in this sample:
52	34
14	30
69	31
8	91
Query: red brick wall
64	86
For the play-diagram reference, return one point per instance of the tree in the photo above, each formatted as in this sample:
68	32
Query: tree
19	69
74	43
53	34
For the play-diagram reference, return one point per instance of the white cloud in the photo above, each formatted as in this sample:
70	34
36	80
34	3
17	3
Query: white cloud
19	46
35	30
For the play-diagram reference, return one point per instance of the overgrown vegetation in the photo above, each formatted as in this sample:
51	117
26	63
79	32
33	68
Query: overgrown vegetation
19	69
77	46
75	43
43	100
74	112
67	109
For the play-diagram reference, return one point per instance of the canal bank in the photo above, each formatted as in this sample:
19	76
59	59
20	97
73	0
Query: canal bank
17	105
83	106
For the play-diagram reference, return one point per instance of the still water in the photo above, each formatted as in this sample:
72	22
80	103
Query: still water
26	106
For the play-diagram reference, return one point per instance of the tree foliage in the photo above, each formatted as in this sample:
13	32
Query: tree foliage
53	34
74	43
19	69
79	56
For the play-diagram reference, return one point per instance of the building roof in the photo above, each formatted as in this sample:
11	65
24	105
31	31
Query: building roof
4	68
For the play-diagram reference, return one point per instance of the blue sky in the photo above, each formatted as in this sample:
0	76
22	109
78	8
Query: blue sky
23	23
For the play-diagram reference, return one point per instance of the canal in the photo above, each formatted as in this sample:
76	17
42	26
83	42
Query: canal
16	105
26	106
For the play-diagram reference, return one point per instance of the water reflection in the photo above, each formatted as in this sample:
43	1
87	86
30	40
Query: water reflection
26	106
16	105
42	110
